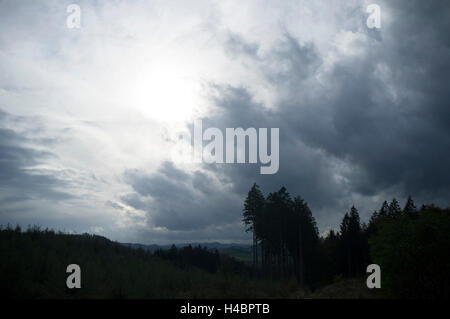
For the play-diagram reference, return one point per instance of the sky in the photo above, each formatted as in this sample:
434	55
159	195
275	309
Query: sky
89	116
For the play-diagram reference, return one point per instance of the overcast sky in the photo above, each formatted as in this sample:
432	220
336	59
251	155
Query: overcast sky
88	115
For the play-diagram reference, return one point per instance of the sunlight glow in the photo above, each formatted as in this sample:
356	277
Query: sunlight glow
164	93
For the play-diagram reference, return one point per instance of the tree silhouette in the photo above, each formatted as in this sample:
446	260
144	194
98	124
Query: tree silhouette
384	210
410	209
394	209
287	231
351	241
253	207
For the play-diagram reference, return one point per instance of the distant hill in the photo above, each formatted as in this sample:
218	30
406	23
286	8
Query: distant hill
241	252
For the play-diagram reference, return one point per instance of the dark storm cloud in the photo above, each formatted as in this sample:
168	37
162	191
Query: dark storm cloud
403	142
302	169
390	142
19	179
180	201
399	142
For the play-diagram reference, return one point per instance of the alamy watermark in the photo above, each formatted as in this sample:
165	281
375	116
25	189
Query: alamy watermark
240	146
374	19
73	20
374	279
74	279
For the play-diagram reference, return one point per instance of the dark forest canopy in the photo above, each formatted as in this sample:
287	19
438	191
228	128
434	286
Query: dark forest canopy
286	243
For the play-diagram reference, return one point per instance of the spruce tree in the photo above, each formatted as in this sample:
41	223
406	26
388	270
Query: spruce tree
384	210
394	209
410	209
253	206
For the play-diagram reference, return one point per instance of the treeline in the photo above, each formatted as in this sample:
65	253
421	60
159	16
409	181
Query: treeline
209	260
410	245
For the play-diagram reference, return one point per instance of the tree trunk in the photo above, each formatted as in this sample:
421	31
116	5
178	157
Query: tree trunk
256	255
300	255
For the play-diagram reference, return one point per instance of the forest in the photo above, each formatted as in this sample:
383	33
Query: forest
33	265
410	245
289	258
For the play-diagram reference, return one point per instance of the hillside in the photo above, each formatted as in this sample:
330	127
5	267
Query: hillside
34	266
